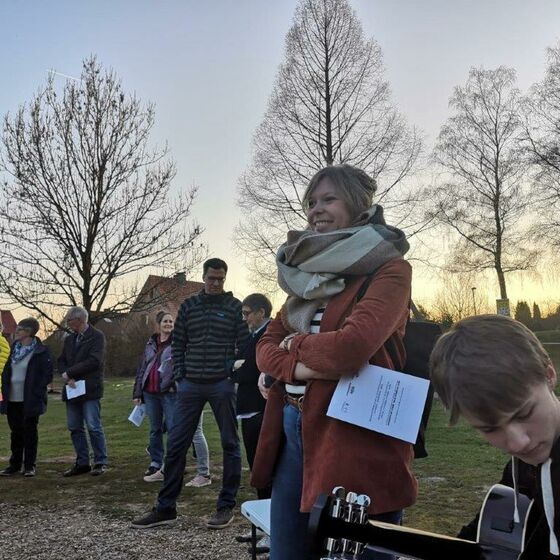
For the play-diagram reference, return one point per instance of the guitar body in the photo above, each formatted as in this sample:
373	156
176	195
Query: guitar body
496	525
340	527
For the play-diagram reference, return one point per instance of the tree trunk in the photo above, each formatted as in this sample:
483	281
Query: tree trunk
501	282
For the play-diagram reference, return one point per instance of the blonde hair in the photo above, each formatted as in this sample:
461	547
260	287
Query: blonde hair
355	187
485	365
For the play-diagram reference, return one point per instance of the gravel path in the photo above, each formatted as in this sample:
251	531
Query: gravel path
85	534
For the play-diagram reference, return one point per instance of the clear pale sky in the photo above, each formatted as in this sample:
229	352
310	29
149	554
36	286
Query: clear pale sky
209	68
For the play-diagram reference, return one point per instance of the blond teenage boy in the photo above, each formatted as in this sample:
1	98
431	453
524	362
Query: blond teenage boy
495	373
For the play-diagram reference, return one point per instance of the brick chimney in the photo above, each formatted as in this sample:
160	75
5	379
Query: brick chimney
180	278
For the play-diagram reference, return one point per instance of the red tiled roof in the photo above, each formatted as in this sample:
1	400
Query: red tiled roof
161	292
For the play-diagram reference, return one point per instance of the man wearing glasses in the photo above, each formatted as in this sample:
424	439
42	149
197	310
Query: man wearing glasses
209	330
256	311
83	358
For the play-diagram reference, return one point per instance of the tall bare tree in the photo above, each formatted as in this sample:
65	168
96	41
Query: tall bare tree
481	197
330	104
542	143
85	200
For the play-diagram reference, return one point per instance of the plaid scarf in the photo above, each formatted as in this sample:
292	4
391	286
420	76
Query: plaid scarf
312	267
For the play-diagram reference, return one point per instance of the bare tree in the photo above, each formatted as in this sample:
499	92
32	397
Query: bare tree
481	197
460	295
542	143
86	202
330	104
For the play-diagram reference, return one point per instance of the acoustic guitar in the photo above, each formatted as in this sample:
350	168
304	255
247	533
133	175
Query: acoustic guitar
339	529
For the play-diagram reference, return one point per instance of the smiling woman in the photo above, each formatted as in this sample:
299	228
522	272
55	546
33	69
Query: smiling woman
321	334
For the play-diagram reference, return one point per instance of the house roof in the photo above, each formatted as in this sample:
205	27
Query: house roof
163	292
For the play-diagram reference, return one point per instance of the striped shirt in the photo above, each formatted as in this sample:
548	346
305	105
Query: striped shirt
314	328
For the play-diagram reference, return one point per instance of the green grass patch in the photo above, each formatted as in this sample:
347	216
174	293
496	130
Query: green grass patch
452	480
548	336
121	491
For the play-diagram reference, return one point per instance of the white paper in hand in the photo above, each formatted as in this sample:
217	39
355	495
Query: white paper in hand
137	415
77	391
382	400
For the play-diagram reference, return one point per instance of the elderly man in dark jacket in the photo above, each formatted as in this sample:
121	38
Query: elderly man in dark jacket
82	359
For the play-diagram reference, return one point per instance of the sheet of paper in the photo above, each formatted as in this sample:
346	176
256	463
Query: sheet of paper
137	415
78	390
381	400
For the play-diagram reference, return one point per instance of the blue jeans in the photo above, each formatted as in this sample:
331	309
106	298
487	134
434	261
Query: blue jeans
191	398
201	448
288	526
89	412
160	408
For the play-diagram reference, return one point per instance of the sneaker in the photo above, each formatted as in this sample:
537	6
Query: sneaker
262	547
29	472
221	519
98	470
247	537
155	519
9	471
199	481
156	476
150	471
76	470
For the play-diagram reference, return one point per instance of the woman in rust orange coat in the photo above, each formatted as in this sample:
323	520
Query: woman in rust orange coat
321	334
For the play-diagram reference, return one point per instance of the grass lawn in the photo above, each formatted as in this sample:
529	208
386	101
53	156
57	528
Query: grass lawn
453	479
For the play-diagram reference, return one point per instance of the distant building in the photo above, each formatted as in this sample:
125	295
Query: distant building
127	333
161	292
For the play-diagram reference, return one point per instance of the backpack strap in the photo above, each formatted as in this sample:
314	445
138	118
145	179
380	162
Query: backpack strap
363	288
390	345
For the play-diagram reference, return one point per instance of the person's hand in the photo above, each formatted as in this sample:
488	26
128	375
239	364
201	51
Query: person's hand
237	364
303	373
262	388
65	377
71	383
137	402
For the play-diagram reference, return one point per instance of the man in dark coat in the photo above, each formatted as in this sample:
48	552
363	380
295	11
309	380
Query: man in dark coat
81	366
256	311
250	403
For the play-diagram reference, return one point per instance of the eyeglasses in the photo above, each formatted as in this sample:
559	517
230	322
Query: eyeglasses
246	314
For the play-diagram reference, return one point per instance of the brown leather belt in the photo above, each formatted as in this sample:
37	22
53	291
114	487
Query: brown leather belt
296	402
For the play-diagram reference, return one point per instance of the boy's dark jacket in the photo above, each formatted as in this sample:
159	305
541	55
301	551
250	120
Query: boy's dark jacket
39	375
249	398
84	360
528	483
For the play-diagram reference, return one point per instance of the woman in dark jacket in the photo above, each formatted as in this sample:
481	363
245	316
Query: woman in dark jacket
154	387
25	377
